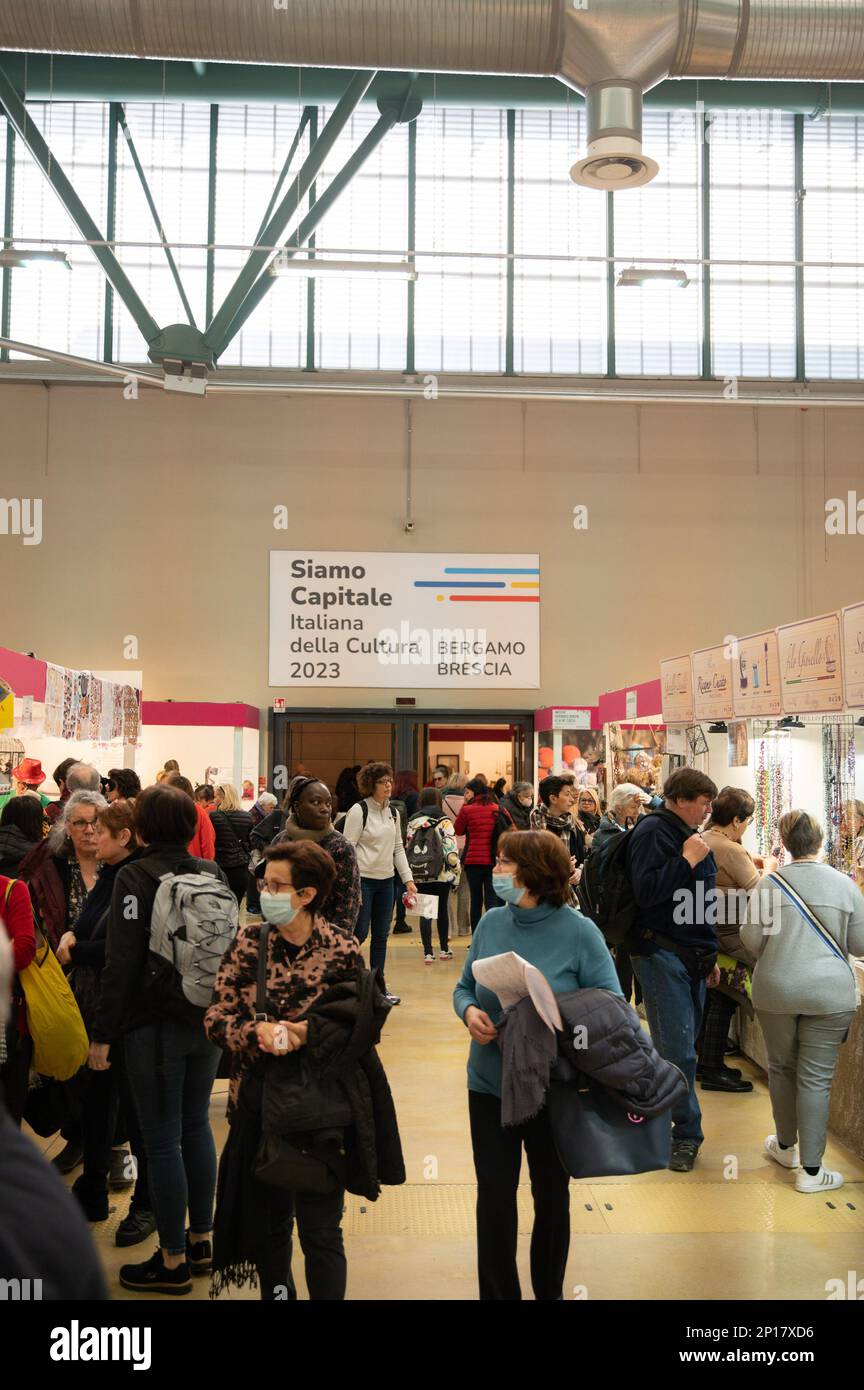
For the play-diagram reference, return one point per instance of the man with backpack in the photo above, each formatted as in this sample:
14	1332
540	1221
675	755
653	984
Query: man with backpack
172	918
673	947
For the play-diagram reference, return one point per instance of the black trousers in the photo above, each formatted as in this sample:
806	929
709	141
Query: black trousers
719	1012
319	1224
480	886
15	1072
441	891
108	1114
238	880
626	978
497	1161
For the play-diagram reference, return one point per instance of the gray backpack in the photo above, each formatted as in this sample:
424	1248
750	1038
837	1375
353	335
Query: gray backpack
194	921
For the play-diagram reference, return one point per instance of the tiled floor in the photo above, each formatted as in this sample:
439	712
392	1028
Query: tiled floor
731	1229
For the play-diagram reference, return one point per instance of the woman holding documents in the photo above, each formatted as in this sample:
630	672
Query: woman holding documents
536	925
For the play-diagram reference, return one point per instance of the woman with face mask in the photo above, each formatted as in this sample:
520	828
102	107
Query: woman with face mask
311	969
532	876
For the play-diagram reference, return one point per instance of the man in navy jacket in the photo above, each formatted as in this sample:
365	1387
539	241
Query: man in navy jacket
673	874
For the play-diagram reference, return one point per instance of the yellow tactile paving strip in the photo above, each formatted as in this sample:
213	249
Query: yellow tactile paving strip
447	1209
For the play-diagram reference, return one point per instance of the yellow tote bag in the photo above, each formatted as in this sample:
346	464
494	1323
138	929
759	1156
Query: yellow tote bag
60	1043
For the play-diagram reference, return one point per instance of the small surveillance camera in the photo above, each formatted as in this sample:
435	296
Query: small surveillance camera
409	526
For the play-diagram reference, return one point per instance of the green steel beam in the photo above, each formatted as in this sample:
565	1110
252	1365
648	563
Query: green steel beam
8	213
310	287
411	328
610	286
163	237
305	119
68	77
800	195
32	139
511	242
707	362
211	213
300	237
110	226
221	328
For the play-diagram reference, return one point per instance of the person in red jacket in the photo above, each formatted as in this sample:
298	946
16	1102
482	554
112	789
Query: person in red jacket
477	820
203	842
16	913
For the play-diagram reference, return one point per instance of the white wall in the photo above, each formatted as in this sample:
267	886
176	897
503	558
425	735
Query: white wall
492	758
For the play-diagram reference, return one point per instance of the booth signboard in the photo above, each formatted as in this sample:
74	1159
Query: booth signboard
712	683
676	680
631	704
853	655
384	620
571	719
810	666
756	676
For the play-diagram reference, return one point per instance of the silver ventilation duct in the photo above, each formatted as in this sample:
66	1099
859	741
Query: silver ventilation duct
612	51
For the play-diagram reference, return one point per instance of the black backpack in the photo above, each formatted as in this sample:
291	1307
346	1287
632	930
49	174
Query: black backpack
605	893
426	852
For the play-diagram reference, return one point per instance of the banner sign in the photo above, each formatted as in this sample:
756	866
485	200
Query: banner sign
853	655
712	683
810	666
756	676
405	621
676	681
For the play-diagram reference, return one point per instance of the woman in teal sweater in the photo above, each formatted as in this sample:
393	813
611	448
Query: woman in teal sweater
532	875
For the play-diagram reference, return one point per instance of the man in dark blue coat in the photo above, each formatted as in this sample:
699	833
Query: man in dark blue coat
673	875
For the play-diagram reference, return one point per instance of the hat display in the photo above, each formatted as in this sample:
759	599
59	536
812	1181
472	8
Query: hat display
29	771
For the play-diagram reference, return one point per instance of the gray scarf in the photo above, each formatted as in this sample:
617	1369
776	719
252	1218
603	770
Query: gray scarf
528	1050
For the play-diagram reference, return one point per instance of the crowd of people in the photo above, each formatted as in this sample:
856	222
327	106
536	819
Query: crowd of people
282	1001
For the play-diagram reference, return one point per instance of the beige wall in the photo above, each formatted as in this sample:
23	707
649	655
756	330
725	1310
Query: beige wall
158	520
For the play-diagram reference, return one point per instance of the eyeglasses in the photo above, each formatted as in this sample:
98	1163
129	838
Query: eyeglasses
274	888
83	824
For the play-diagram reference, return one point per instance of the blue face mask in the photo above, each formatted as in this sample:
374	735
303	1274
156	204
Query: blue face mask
278	909
505	888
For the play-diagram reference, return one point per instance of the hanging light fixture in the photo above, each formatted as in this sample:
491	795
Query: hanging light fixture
650	276
313	267
20	257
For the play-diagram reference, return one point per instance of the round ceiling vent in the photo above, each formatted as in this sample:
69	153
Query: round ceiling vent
613	170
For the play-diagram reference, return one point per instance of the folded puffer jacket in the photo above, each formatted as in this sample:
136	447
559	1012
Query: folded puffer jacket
615	1051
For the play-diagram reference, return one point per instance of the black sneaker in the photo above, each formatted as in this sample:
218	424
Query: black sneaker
684	1153
153	1277
724	1079
69	1157
199	1256
122	1172
402	930
137	1226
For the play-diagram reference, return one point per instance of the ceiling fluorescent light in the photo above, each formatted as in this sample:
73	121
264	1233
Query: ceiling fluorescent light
17	257
650	276
315	266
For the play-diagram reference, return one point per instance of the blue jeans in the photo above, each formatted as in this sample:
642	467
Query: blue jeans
376	908
673	1007
173	1110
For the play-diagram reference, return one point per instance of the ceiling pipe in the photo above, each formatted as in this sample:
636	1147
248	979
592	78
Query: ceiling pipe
613	51
70	77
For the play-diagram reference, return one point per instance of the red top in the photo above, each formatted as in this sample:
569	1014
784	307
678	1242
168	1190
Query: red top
17	915
477	820
203	842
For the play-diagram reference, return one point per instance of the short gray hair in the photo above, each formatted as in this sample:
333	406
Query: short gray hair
801	833
456	782
60	831
267	799
624	792
82	777
522	788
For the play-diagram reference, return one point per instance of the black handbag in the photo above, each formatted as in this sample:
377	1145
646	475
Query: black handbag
84	982
292	1154
596	1138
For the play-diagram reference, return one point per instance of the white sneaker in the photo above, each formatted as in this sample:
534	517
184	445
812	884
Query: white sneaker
788	1158
445	955
429	960
823	1181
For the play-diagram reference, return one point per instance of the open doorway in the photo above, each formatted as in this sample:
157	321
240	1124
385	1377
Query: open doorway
472	748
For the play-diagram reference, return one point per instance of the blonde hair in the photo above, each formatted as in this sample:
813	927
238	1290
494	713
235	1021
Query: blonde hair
230	799
594	795
456	782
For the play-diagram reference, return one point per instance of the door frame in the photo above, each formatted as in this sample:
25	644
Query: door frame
407	722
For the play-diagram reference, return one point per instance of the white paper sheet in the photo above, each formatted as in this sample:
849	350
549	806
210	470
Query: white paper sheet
512	978
427	905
